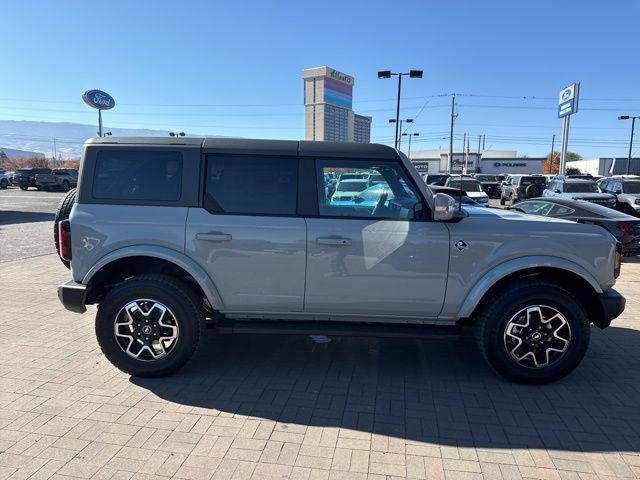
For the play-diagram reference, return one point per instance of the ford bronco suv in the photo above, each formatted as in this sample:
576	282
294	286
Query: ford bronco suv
171	235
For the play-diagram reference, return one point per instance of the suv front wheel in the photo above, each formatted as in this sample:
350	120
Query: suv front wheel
150	325
533	332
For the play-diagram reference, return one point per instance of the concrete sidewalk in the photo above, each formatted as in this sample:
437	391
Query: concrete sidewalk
279	407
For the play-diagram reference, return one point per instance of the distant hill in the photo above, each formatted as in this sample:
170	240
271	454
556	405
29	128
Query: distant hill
14	153
38	136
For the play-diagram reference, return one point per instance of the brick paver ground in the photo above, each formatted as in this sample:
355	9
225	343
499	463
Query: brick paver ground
277	407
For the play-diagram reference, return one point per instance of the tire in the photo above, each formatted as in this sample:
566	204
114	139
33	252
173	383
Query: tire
533	191
66	186
62	213
492	332
502	200
4	183
183	305
24	188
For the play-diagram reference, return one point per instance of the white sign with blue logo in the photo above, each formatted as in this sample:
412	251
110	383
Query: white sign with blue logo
568	100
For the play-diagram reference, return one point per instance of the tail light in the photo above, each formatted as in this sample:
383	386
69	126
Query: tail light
55	178
518	190
627	227
64	240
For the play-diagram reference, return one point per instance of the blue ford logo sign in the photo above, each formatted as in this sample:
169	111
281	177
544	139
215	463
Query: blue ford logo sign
566	94
98	99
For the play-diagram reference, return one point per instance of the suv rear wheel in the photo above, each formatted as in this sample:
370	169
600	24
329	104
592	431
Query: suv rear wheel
150	325
533	332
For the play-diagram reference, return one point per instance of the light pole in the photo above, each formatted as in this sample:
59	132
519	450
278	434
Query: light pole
633	126
389	74
410	135
399	127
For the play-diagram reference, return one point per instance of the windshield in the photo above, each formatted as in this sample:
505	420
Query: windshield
487	178
631	187
467	185
581	187
351	186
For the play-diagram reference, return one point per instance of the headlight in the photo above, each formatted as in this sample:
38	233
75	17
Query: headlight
637	201
483	199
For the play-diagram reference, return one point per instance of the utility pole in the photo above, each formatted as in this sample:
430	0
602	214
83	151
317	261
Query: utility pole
464	145
633	126
553	143
453	116
484	138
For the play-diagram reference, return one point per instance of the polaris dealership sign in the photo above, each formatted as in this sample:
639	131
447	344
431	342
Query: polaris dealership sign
98	99
568	100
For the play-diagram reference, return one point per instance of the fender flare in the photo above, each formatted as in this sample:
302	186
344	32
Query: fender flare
500	271
177	258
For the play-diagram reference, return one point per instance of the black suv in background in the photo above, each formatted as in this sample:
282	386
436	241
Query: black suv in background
26	177
490	184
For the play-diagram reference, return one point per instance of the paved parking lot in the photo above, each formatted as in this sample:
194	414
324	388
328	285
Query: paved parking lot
287	407
25	222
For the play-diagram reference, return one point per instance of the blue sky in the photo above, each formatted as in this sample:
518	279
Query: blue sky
233	68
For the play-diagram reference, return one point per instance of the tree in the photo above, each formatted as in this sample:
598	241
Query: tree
551	164
573	157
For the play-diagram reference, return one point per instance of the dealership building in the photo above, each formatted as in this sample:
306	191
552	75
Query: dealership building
485	161
328	107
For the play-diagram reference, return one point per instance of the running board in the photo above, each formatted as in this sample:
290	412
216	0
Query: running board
350	329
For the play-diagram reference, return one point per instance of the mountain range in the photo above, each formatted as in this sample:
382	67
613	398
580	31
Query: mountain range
38	137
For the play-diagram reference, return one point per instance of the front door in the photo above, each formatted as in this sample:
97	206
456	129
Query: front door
371	251
247	236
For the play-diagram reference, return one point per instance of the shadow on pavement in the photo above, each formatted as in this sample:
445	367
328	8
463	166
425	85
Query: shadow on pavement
10	217
435	391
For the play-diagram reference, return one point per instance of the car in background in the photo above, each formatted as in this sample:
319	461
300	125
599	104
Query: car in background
376	179
520	187
455	193
436	178
501	177
347	189
625	228
26	177
490	184
626	189
59	179
5	180
471	186
354	176
578	189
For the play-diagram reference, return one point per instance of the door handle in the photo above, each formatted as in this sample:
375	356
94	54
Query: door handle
336	242
214	237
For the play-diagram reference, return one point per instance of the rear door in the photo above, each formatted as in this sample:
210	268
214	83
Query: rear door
375	256
247	234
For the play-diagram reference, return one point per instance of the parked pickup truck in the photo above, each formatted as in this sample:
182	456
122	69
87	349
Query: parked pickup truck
59	179
168	236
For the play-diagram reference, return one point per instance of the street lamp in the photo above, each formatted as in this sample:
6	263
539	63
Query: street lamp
415	134
399	127
633	126
389	74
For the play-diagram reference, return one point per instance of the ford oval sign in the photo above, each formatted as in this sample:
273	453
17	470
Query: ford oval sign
98	99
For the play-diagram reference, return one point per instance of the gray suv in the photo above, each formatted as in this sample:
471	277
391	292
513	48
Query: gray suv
626	190
169	235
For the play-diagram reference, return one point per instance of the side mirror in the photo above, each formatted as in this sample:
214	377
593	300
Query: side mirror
558	191
444	207
618	192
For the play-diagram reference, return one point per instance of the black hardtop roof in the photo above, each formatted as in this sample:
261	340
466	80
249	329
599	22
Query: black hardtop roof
265	147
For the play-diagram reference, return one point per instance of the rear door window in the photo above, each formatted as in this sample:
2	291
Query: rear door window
150	175
251	185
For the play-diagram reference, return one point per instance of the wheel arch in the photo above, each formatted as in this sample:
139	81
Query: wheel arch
124	263
564	273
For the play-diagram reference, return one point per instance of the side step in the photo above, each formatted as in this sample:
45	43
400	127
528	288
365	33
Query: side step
349	329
